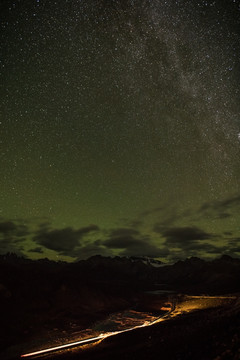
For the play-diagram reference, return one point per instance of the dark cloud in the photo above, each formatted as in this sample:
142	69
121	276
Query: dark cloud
8	246
90	250
223	215
233	247
36	250
121	242
63	241
130	242
123	232
230	202
220	209
45	225
7	227
22	231
168	216
234	241
237	239
143	248
192	241
11	236
183	234
59	240
233	254
87	229
199	246
135	223
234	250
196	249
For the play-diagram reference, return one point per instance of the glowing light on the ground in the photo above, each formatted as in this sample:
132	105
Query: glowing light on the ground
81	342
93	339
176	309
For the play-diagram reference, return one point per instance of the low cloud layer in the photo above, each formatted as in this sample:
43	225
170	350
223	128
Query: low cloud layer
159	236
182	235
188	241
37	249
11	228
130	242
220	209
64	241
12	234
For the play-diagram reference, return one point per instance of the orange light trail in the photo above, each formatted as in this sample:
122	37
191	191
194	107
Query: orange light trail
171	313
93	339
175	311
81	342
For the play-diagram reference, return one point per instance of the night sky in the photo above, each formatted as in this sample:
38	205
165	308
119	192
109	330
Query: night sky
120	128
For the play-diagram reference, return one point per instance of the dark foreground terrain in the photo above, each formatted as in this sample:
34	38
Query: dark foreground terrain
201	335
44	302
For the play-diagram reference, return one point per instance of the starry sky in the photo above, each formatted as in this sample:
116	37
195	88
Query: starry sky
120	128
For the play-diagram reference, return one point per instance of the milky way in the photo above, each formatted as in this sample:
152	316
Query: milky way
119	128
